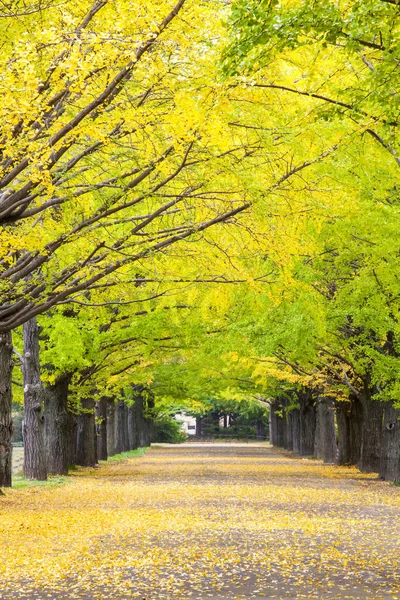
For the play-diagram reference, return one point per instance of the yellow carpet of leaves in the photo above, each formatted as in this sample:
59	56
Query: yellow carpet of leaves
223	521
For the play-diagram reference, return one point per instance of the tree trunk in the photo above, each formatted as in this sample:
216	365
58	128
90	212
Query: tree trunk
371	436
356	425
120	427
261	433
132	430
295	415
6	427
143	402
110	427
86	443
125	440
289	430
72	427
34	448
198	426
287	426
273	424
283	424
307	423
344	433
390	449
325	435
57	423
101	428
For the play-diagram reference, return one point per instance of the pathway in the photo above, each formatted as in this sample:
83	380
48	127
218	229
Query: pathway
203	521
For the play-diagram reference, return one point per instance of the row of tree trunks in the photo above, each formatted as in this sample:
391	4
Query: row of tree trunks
80	439
307	429
295	428
58	424
366	434
54	437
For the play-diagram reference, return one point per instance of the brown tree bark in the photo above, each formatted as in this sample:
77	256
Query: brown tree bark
34	448
57	424
6	428
390	449
101	428
86	442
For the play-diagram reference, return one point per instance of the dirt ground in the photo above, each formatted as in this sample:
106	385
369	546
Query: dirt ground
204	521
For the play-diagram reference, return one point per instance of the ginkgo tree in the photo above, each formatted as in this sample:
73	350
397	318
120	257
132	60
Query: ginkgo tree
209	230
121	139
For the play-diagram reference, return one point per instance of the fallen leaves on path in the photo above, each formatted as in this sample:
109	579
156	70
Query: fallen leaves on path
204	522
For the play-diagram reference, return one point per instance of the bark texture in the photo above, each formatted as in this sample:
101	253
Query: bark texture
57	423
34	448
72	427
325	435
110	427
261	432
198	426
86	442
295	417
371	437
121	427
6	427
289	430
349	418
390	449
132	433
307	423
143	404
101	428
278	434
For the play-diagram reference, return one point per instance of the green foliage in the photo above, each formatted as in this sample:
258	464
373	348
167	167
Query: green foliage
167	430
